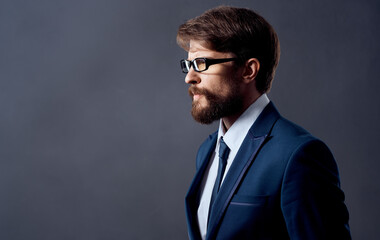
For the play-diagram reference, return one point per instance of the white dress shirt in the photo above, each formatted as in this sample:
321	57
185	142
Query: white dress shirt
234	137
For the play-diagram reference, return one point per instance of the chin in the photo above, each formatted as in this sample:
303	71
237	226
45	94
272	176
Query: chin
203	115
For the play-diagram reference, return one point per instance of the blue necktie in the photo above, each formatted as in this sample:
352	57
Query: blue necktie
223	155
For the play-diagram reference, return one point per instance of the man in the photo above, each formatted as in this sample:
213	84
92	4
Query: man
259	176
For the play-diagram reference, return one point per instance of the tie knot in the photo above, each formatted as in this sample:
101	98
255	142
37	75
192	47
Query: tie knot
223	150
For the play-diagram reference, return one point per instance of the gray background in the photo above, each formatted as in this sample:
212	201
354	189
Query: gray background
96	139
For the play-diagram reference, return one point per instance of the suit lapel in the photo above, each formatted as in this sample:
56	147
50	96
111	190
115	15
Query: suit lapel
192	197
258	133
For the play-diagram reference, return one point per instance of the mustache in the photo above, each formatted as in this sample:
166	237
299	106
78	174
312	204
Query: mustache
195	91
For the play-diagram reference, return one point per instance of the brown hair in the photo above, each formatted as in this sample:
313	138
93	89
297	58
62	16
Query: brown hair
236	30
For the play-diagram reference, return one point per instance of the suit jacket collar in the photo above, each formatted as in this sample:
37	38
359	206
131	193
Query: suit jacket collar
256	137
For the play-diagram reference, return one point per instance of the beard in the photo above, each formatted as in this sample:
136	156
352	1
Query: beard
217	106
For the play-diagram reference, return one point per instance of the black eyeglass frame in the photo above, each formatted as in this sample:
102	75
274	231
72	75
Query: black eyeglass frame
186	64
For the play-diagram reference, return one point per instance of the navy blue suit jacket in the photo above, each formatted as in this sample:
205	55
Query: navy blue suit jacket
283	184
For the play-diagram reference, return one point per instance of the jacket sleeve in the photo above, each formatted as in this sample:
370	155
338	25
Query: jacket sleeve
311	199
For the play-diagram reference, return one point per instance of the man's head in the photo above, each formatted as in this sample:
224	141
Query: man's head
239	31
227	32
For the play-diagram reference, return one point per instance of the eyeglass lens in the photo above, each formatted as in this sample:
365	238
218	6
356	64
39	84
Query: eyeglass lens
199	64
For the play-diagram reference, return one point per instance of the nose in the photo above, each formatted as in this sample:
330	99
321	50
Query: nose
192	77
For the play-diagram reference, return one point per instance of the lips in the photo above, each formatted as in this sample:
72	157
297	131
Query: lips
197	96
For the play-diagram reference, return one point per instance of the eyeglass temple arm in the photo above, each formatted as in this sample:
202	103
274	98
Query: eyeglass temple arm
214	61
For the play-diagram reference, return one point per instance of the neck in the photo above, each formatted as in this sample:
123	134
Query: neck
228	121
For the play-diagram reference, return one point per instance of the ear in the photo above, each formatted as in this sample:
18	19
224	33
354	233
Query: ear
251	69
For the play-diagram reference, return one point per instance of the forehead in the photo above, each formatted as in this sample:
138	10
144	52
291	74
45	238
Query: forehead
196	45
203	49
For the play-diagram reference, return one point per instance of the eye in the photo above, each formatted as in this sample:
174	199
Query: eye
200	63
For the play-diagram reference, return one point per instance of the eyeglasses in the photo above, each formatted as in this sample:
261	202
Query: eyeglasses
202	64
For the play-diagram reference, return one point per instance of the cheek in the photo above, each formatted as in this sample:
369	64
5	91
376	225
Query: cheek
218	86
226	88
